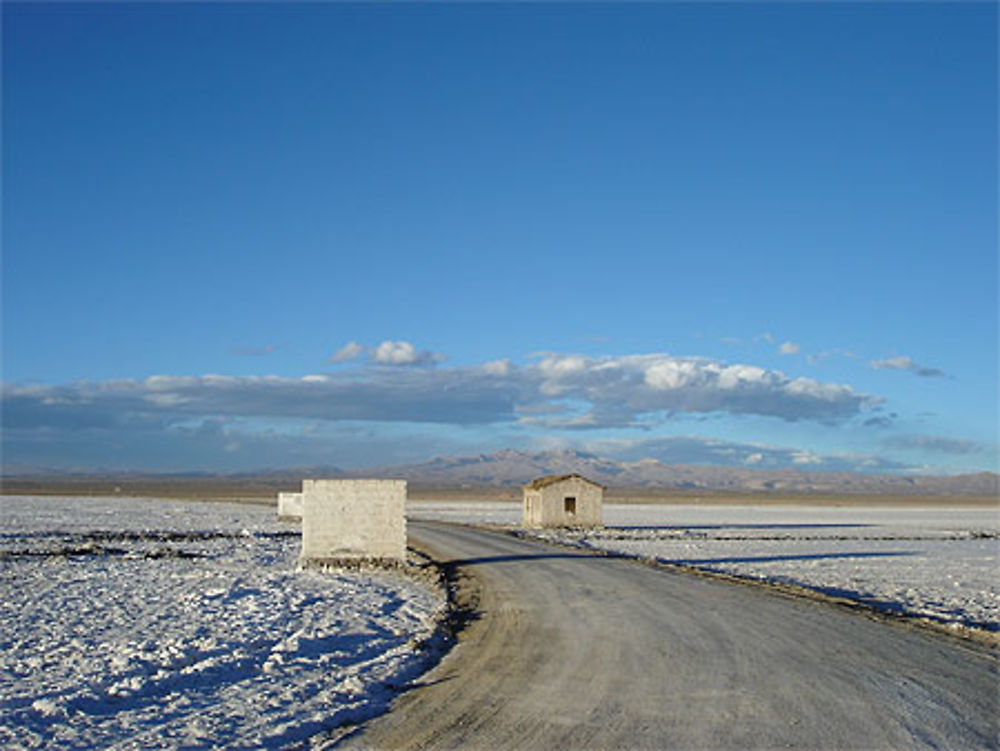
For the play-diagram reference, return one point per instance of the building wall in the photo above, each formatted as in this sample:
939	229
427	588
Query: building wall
290	507
353	519
545	507
532	516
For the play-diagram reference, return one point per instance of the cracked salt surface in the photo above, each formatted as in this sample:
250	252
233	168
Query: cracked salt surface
134	623
941	563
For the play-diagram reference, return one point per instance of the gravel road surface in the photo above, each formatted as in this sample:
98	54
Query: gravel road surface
574	651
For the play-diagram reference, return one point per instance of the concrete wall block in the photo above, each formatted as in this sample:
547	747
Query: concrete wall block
290	506
352	519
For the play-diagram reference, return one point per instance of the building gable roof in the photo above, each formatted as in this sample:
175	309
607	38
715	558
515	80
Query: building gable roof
544	482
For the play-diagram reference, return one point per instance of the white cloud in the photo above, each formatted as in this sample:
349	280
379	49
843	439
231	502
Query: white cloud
394	353
558	366
893	363
165	400
389	352
739	376
633	389
805	457
671	374
789	348
165	382
350	351
403	354
907	363
497	367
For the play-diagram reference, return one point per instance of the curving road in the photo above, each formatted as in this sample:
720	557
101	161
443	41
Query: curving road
574	651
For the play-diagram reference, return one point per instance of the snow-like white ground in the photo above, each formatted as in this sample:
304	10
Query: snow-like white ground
128	623
937	562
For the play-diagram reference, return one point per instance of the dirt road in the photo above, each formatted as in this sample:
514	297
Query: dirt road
574	651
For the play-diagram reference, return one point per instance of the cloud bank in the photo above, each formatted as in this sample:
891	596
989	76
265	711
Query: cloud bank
699	450
553	391
389	407
935	444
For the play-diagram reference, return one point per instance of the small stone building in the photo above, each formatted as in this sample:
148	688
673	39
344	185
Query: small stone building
353	520
290	507
563	501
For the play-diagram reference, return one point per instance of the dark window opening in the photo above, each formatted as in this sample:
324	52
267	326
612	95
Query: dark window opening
569	505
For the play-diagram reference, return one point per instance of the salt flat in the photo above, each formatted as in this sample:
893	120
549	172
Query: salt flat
936	562
166	624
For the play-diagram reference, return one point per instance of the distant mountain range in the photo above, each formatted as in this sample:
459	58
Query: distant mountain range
509	469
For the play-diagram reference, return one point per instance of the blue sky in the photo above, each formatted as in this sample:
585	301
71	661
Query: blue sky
242	236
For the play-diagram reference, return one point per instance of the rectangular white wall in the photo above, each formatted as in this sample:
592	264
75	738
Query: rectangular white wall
353	519
290	507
